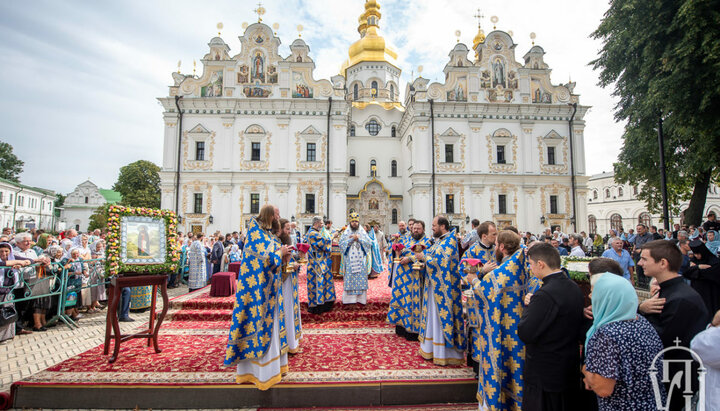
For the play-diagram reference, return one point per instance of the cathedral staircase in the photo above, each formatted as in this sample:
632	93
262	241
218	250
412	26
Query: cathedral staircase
349	357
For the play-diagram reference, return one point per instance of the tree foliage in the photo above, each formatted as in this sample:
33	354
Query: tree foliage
99	218
663	60
139	184
10	166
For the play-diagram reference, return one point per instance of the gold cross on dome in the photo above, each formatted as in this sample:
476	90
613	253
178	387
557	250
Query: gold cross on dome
479	16
260	11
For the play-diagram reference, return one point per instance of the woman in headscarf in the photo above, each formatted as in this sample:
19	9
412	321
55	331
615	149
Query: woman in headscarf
42	244
76	270
197	277
615	370
97	273
713	242
66	245
234	256
704	274
54	270
9	279
598	243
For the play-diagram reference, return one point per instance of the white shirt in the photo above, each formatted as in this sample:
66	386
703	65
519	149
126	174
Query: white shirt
577	252
705	344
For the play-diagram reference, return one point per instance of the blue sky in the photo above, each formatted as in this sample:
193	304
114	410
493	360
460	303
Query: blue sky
80	78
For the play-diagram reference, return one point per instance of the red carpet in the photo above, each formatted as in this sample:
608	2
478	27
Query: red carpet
349	345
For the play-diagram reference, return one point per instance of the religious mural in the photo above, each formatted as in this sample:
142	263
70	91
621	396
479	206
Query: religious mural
272	75
257	68
459	92
539	95
300	87
215	87
243	72
257	90
498	76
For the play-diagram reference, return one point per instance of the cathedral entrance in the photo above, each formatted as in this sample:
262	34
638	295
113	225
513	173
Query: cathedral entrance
375	205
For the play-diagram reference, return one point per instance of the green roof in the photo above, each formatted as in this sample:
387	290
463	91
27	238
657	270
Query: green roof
112	197
41	190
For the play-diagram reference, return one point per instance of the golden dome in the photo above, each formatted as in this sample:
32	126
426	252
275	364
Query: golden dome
479	38
371	46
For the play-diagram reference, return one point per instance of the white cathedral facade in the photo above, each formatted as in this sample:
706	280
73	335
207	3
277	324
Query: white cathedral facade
495	141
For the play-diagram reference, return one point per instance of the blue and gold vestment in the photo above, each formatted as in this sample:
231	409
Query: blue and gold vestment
442	284
320	287
259	284
474	311
501	293
407	294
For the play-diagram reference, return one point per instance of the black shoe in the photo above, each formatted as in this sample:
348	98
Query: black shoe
400	331
126	320
411	336
39	329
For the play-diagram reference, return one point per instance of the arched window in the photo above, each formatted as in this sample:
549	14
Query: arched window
373	127
374	86
393	169
616	222
620	192
594	194
352	131
645	218
393	131
394	216
607	193
392	93
355	92
592	224
352	168
373	168
635	190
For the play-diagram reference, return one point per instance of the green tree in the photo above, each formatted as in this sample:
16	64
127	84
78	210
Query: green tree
10	166
663	60
99	218
139	184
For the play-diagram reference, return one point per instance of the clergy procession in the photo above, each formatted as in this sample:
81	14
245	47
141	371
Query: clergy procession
492	299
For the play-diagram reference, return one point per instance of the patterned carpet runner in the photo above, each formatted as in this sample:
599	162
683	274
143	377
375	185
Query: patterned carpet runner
350	344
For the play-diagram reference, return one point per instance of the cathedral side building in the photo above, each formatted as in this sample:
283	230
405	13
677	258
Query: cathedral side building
496	140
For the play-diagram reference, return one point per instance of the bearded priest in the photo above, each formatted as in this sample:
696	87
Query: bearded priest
257	343
320	286
355	246
407	295
442	332
501	293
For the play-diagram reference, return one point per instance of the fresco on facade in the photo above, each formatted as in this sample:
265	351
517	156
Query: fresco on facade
459	92
272	75
257	68
215	87
257	90
243	72
300	87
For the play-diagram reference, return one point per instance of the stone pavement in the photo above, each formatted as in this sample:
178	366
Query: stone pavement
26	355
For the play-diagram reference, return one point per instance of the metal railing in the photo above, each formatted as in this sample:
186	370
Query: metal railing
64	283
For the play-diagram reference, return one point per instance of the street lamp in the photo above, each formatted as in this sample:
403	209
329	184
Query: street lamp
292	218
467	219
542	219
211	219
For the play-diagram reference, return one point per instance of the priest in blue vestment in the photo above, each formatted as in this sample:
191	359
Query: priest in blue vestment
483	250
442	331
257	343
355	247
406	301
320	286
500	295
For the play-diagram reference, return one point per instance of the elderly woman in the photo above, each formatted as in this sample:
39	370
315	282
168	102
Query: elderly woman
97	273
614	369
9	279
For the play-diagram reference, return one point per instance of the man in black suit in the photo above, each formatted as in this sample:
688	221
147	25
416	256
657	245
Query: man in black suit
551	327
216	254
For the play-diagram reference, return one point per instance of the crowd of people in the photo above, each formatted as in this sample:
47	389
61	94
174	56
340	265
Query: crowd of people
31	264
523	323
495	298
